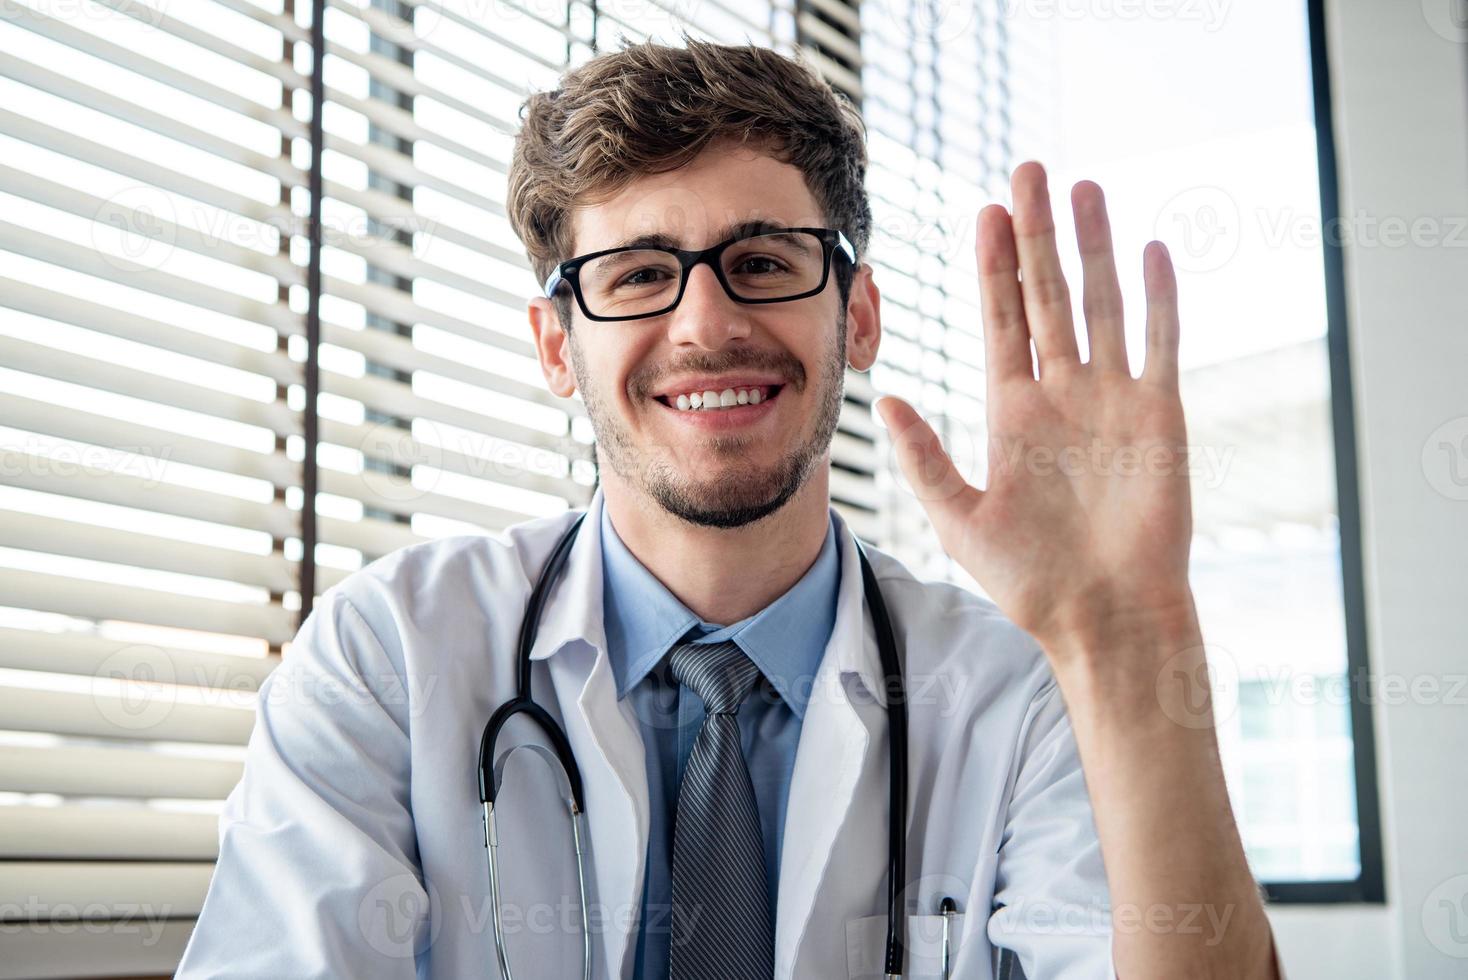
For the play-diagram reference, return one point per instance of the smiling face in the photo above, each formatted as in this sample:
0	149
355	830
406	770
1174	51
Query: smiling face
715	468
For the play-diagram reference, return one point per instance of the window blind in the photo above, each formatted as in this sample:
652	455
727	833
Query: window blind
155	170
936	97
149	293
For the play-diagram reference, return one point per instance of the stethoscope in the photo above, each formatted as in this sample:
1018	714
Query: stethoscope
490	772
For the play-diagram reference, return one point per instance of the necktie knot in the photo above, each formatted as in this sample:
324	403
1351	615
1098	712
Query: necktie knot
720	673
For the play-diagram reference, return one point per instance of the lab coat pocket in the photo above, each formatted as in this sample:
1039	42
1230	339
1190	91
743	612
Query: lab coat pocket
866	944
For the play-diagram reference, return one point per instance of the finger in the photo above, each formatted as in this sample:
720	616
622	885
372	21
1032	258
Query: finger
1101	296
1006	336
1046	295
1163	328
935	481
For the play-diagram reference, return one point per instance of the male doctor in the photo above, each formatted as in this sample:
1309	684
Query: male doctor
708	649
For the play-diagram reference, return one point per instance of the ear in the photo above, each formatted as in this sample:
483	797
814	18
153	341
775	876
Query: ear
863	319
552	346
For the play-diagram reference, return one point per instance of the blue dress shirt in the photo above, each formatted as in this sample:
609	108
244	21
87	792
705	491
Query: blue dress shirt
786	640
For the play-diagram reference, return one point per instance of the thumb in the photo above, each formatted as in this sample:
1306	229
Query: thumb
935	481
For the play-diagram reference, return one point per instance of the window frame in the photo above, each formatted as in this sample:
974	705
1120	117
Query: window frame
1368	887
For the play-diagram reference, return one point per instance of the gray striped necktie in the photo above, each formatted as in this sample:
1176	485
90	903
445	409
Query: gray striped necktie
718	852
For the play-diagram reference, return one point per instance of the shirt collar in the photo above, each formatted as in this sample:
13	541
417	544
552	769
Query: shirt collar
786	639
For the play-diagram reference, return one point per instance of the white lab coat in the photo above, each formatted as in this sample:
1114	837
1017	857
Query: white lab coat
353	845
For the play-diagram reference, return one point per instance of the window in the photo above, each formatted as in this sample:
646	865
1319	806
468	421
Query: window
1228	168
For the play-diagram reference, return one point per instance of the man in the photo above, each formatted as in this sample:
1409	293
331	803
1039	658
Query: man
710	654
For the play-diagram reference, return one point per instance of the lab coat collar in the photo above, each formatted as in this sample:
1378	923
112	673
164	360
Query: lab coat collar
577	600
852	642
573	611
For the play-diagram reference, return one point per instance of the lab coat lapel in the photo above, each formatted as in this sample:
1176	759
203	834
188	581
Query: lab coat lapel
605	738
833	849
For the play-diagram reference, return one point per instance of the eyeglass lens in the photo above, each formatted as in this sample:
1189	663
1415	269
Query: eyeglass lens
763	267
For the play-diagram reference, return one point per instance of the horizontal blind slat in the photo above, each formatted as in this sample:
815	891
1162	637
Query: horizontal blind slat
371	536
396	495
100	656
159	445
103	375
164	888
157	18
857	454
63	33
105	600
66	308
400	213
401	123
854	489
396	31
133	946
390	444
29	73
85	481
398	398
129	833
160	228
103	715
399	307
252	9
401	78
526	10
59	251
401	168
829	37
77	539
399	352
111	158
119	772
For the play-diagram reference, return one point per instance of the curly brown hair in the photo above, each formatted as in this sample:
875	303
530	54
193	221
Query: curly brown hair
651	108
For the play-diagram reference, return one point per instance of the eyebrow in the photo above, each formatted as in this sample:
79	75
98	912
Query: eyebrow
737	230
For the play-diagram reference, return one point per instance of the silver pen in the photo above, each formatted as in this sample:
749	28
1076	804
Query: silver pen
947	908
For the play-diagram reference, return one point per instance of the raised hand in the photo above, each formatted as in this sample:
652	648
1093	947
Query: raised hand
1083	530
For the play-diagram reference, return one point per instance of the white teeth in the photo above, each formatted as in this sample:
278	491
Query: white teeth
727	398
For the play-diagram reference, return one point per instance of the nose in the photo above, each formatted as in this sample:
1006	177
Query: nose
706	315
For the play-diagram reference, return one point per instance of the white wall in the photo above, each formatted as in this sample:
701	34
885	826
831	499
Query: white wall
1401	115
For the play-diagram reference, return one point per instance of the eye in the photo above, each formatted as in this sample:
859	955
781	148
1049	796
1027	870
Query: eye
775	265
632	278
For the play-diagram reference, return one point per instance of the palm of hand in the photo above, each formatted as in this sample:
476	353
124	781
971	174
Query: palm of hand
1087	512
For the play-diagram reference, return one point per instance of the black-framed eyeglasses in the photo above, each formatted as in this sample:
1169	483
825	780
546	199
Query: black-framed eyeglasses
771	264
